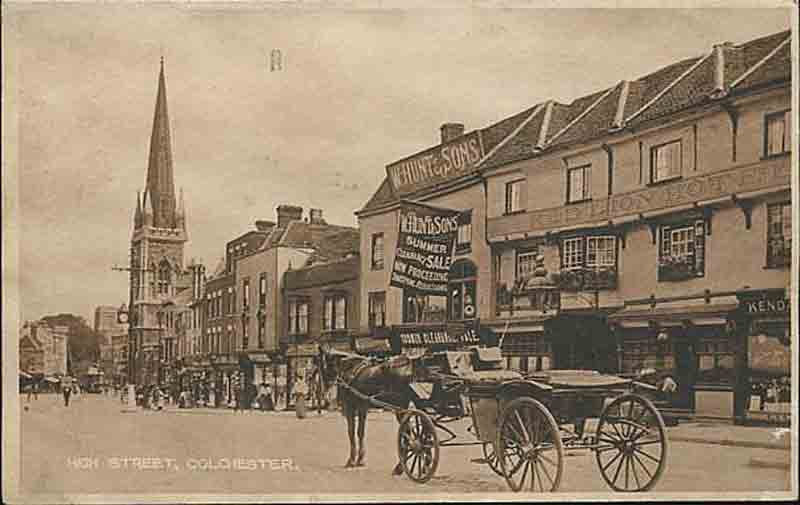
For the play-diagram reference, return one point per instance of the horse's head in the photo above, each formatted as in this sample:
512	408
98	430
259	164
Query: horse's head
331	364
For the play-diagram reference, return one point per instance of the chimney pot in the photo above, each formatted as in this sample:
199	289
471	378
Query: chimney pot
288	213
315	216
451	131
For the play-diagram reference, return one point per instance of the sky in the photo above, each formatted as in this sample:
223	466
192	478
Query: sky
358	90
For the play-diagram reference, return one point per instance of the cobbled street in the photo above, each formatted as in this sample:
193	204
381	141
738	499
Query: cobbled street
91	447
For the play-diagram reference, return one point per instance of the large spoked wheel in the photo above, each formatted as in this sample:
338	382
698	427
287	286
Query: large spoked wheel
490	455
418	446
529	447
632	444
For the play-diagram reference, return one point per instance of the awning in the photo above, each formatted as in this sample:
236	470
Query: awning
522	325
674	314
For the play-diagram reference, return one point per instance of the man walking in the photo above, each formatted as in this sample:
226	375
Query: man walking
66	389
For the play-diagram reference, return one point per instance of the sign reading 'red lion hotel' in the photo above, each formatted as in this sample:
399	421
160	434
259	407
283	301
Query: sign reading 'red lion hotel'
438	164
424	248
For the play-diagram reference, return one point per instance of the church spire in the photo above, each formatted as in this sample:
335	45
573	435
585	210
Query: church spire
137	217
160	186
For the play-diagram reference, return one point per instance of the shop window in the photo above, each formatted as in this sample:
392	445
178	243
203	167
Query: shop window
776	134
334	313
715	360
588	263
464	237
461	287
779	235
377	251
377	310
666	162
423	308
578	184
298	317
514	195
682	251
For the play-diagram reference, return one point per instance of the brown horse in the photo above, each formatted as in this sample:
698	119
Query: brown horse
386	381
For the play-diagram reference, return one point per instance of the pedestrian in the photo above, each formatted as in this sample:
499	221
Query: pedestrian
66	390
265	397
300	392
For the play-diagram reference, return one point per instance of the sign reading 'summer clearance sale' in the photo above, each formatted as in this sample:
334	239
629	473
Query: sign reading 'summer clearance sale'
424	248
438	164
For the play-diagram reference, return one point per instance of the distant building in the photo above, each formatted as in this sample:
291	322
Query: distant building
106	323
43	349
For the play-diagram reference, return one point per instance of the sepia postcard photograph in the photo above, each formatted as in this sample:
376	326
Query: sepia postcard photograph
392	251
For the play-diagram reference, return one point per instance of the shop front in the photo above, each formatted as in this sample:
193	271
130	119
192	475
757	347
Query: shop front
526	345
765	385
224	366
691	341
300	359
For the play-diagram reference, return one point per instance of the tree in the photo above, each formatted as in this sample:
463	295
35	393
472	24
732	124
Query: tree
83	343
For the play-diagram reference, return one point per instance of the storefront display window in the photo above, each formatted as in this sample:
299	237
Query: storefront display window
716	361
424	308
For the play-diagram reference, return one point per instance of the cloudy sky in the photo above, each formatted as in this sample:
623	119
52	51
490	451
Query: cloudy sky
359	89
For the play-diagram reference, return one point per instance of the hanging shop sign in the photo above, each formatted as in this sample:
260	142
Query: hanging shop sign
446	335
436	165
424	250
765	303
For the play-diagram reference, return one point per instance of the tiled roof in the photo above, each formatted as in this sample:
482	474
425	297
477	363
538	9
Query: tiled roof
332	272
682	85
384	196
691	90
596	122
495	133
520	146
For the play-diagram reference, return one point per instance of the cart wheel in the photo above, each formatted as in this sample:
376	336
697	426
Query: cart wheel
631	440
490	455
418	446
529	447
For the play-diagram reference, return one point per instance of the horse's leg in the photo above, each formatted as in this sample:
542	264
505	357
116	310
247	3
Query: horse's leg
399	415
362	426
351	433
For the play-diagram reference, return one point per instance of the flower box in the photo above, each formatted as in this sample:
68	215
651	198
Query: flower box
676	269
587	279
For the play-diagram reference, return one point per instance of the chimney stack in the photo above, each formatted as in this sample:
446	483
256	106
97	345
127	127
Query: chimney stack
451	131
315	216
288	213
263	225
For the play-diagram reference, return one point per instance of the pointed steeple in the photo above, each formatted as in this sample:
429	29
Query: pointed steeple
160	185
180	215
137	217
148	209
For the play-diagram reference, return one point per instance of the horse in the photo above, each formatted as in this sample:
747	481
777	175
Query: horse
387	381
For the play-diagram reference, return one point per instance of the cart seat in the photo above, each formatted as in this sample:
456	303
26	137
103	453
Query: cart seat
494	375
579	379
487	358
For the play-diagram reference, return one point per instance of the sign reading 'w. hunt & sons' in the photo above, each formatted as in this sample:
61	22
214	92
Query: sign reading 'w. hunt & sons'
424	248
438	164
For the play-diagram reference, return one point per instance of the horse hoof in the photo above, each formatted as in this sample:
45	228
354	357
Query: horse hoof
361	463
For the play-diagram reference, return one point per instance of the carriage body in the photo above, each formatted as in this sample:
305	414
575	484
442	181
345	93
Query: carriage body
521	422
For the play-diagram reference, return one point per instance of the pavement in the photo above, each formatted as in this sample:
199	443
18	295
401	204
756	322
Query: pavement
93	447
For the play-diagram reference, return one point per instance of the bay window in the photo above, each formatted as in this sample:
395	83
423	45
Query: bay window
588	262
682	251
779	235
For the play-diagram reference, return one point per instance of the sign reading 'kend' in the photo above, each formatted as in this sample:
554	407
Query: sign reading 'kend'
437	164
424	249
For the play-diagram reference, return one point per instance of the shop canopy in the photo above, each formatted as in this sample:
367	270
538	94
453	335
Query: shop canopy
675	314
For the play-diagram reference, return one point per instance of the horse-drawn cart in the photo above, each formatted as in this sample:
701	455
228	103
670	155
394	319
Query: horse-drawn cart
525	424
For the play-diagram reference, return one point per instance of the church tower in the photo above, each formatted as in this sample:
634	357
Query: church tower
156	259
